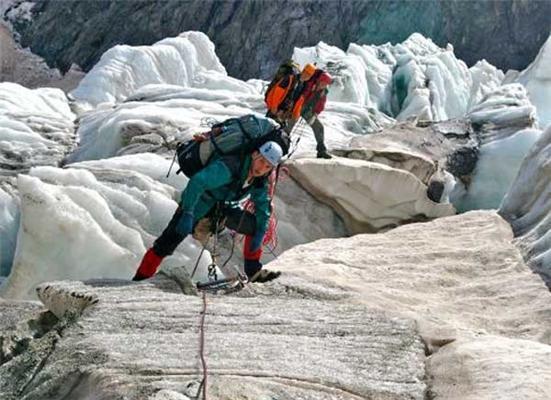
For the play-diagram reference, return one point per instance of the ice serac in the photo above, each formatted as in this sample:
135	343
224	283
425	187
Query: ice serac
9	223
537	80
156	116
188	60
82	223
36	127
414	79
298	340
153	117
483	314
368	196
498	164
502	112
505	125
527	206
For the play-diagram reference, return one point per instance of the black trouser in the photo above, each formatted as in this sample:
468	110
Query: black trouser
235	218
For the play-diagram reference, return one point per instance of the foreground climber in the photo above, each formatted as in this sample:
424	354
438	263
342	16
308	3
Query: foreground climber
214	190
292	95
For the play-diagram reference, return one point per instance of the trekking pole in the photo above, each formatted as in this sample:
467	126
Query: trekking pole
172	163
198	258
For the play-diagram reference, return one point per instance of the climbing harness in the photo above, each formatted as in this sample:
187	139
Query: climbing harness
224	285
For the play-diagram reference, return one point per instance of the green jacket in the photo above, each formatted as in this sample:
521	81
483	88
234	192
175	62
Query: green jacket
216	183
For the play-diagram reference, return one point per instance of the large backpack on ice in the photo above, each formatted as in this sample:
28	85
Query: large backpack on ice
282	85
234	136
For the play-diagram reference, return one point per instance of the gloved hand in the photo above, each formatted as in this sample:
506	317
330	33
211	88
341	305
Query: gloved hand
185	224
256	242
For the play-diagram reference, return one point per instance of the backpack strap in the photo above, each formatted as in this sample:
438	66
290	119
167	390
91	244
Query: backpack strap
216	147
234	164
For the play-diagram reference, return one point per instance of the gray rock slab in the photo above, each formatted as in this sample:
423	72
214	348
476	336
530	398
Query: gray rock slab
415	148
12	312
279	341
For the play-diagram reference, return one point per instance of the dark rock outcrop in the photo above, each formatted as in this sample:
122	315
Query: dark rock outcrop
252	37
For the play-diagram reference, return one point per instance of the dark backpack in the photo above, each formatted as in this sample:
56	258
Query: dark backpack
235	136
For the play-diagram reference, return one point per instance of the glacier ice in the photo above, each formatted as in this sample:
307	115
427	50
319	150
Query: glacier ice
537	80
498	164
9	225
36	127
503	112
413	79
505	122
175	113
527	205
171	112
88	223
188	60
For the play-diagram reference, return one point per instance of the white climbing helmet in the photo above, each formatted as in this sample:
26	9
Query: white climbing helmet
272	152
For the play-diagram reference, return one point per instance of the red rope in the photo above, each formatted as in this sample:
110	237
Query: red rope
202	347
270	238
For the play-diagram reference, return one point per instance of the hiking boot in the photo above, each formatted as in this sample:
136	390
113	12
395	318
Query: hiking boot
324	154
252	267
265	275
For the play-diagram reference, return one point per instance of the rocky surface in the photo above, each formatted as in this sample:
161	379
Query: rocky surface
253	37
465	283
460	370
419	149
141	340
368	196
14	311
28	69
